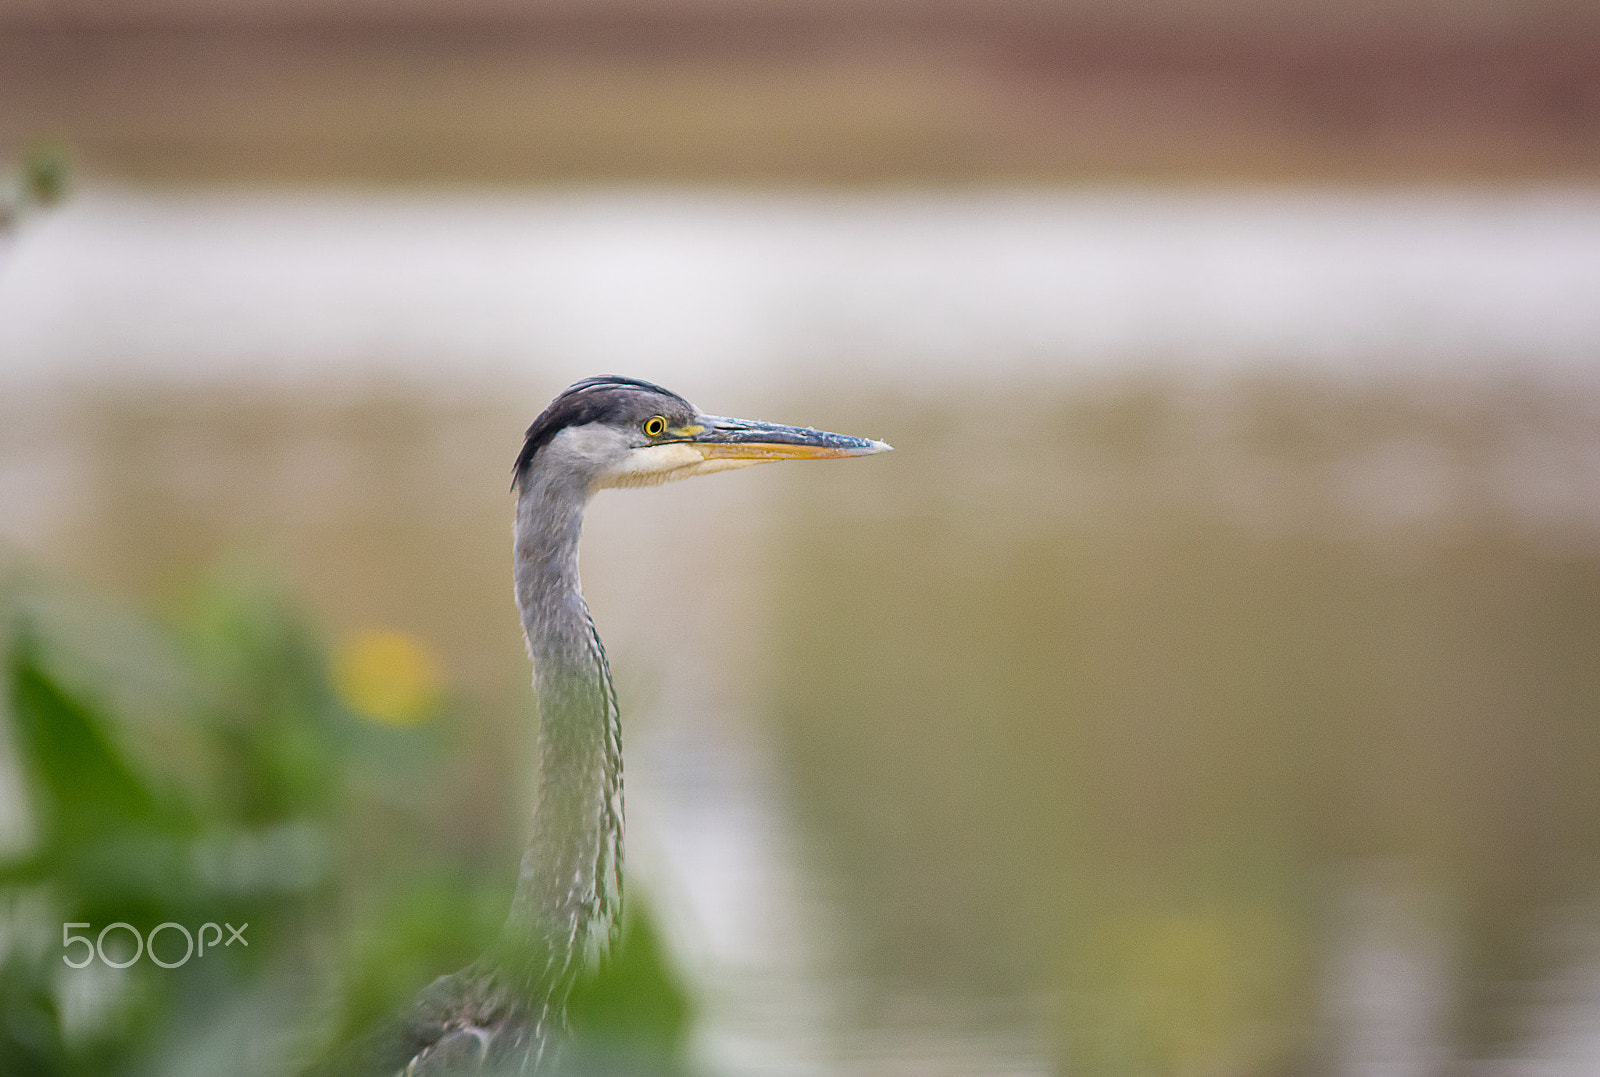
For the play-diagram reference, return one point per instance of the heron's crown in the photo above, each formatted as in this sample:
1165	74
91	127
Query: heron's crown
605	398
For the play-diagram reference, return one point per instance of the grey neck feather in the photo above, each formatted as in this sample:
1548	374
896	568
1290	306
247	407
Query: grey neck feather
569	890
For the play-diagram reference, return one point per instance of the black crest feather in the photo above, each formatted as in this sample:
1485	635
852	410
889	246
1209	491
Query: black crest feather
598	399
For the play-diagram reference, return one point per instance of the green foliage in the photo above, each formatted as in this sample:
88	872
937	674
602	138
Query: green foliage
422	929
113	841
247	793
44	173
30	1021
632	1015
40	182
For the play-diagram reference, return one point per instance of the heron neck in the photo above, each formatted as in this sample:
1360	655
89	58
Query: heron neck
569	886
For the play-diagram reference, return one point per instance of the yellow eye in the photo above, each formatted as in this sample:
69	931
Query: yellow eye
655	426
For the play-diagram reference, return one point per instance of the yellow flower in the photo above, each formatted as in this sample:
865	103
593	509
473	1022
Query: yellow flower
387	676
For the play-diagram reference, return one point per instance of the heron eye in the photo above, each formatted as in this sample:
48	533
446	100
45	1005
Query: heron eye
655	426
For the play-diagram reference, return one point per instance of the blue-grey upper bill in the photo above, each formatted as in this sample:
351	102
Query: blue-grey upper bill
751	439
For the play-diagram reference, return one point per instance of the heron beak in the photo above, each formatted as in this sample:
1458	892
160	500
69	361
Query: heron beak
719	438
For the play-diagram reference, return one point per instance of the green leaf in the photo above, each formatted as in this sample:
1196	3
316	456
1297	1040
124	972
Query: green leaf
81	783
633	1007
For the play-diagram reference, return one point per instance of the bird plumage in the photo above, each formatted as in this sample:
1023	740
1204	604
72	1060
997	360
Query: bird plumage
504	1014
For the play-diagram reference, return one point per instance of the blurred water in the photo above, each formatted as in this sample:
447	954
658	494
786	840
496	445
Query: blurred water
1222	703
122	286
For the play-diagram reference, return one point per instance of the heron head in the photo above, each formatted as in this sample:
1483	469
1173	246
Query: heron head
611	431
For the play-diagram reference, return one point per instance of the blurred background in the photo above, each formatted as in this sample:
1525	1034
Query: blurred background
1208	685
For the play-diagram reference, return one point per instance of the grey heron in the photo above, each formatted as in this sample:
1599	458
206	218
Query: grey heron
502	1013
